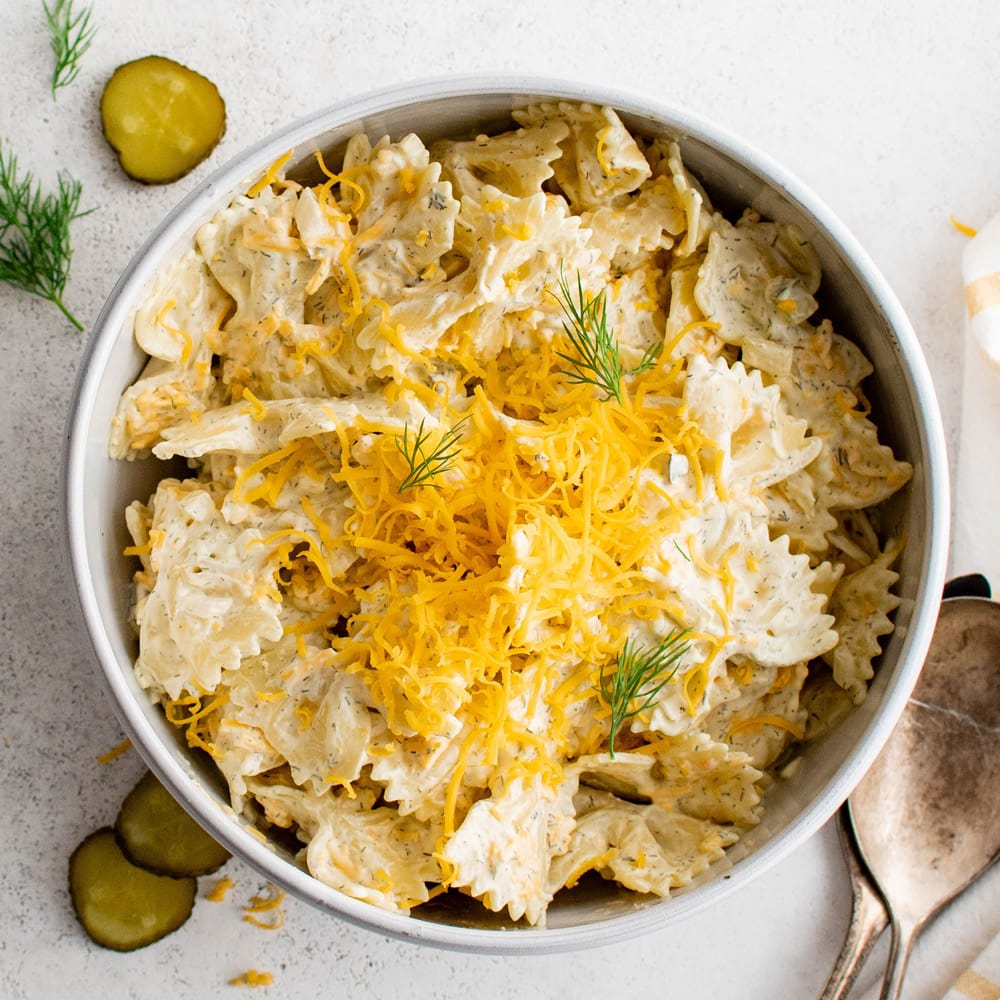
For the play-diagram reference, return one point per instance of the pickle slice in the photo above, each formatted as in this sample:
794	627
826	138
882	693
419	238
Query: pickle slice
156	833
122	906
162	118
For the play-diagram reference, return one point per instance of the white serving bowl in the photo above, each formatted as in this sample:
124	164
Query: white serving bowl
853	294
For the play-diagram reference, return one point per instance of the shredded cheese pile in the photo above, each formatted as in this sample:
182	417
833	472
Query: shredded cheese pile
417	534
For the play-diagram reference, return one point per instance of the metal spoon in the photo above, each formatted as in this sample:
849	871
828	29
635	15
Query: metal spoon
923	819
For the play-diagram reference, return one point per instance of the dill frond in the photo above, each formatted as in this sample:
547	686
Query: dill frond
649	358
35	250
638	676
597	360
71	34
425	465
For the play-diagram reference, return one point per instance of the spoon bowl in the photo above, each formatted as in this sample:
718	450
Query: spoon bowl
932	796
924	816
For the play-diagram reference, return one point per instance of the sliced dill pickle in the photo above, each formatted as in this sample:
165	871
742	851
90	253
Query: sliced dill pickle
156	833
162	118
120	905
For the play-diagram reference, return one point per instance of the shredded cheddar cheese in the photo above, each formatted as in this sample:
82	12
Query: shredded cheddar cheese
220	889
264	909
601	152
253	978
187	343
270	175
964	229
256	408
115	752
595	863
779	722
196	720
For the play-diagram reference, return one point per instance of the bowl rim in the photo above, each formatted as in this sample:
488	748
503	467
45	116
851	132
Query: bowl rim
251	161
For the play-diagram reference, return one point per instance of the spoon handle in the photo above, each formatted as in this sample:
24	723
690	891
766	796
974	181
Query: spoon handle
903	936
869	918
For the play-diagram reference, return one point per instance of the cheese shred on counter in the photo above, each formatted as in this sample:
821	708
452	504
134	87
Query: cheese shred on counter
414	537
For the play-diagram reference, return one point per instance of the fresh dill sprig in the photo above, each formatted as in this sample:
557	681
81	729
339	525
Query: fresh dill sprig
649	358
71	34
35	250
638	676
425	466
597	360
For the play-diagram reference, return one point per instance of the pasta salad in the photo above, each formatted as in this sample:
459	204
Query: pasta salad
526	496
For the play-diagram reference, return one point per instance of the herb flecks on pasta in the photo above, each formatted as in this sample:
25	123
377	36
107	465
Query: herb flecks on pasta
648	522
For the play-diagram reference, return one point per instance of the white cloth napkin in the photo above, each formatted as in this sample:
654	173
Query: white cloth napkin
976	538
976	542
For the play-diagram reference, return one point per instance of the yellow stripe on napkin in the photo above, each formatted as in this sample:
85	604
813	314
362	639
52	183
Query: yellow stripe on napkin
981	980
976	987
983	293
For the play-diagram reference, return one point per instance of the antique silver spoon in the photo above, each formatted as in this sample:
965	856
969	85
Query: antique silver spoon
922	824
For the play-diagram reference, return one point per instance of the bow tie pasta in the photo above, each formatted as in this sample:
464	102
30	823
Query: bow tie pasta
528	496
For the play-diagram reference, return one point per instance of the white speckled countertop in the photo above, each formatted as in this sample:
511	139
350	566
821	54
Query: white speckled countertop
891	115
